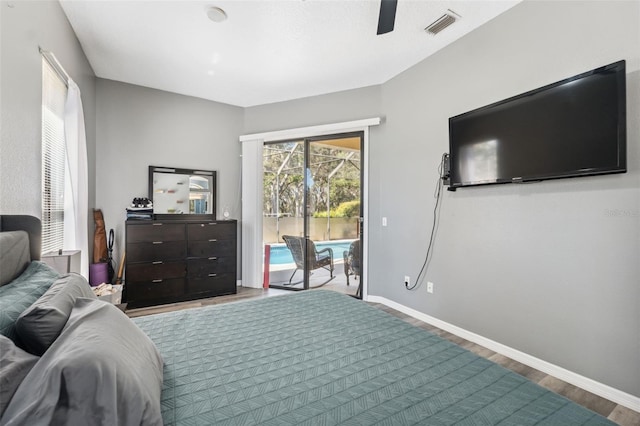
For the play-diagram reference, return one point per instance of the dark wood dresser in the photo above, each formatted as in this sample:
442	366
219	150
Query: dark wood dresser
174	260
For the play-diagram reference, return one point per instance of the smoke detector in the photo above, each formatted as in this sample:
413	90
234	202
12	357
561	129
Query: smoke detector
442	22
216	14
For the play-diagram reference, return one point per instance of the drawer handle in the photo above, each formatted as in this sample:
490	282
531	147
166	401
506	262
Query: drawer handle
157	242
156	224
213	258
213	223
157	262
156	281
213	275
213	240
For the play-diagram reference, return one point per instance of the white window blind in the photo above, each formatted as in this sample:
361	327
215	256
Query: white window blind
54	93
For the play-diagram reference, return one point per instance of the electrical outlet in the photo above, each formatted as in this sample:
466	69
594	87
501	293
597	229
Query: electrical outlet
429	287
407	280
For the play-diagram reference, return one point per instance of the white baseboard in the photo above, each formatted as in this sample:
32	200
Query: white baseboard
600	389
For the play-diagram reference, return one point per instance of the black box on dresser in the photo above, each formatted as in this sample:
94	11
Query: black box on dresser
176	260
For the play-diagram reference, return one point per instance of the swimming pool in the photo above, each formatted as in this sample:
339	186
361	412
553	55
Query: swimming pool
280	254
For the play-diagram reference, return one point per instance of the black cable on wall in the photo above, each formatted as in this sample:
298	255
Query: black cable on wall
436	212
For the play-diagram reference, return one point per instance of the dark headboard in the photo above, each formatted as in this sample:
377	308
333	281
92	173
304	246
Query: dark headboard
30	224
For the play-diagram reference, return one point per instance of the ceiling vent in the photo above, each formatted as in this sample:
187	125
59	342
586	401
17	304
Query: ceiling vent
442	22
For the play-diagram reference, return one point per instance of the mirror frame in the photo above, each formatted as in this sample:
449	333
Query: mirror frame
185	216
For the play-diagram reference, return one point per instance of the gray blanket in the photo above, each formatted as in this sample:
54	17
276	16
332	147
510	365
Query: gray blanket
101	370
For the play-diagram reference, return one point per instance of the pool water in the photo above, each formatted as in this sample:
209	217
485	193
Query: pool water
280	254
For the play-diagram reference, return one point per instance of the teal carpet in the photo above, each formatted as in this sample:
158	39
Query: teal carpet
323	358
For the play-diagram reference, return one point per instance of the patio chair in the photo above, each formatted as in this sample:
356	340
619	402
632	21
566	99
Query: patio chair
316	259
352	260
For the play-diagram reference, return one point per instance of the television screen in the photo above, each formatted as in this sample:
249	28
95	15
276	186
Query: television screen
575	127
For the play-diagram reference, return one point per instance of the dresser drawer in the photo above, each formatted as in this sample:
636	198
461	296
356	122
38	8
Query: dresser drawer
213	265
220	284
213	247
159	250
150	271
207	231
156	231
154	290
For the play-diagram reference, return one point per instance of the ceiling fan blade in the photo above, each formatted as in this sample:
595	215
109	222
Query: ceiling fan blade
387	16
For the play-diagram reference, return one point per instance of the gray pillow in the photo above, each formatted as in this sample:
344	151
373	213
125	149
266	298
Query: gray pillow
14	366
102	369
39	325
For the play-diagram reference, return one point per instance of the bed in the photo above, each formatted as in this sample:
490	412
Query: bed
309	358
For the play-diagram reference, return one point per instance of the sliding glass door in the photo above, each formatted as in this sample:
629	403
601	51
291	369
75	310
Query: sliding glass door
313	213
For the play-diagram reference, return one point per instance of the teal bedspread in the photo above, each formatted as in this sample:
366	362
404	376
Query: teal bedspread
322	358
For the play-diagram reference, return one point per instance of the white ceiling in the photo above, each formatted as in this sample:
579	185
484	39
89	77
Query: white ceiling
266	51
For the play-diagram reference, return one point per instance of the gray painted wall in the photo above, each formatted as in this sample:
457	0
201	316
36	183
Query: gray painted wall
545	268
141	127
332	108
25	25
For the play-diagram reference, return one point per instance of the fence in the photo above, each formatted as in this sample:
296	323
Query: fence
320	228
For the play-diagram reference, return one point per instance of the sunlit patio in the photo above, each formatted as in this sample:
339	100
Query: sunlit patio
285	275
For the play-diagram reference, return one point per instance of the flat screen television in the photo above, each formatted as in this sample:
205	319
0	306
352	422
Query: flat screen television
575	127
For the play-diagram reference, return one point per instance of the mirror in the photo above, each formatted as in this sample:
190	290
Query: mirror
182	192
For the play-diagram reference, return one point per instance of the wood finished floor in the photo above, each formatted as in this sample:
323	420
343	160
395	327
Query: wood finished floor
614	412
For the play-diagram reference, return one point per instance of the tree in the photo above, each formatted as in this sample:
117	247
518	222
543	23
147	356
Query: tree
333	178
346	209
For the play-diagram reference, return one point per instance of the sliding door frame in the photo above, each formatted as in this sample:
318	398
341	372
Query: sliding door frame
362	218
252	196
